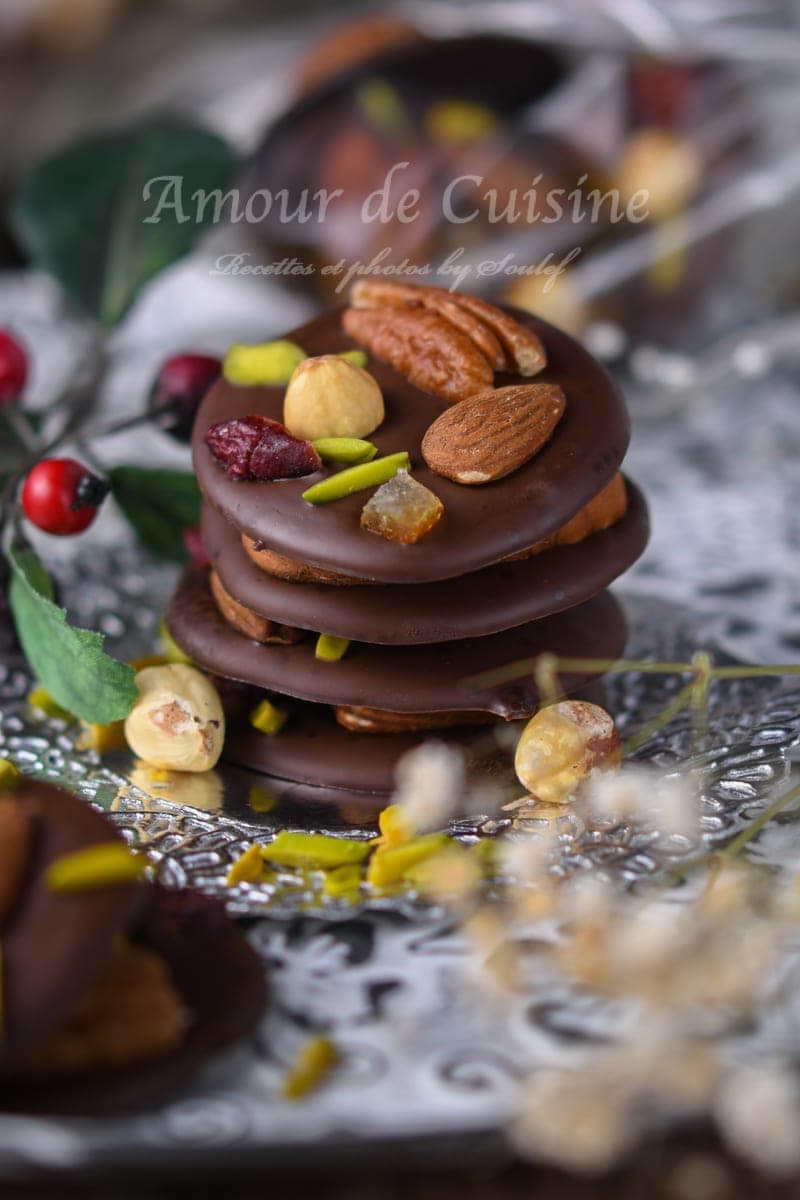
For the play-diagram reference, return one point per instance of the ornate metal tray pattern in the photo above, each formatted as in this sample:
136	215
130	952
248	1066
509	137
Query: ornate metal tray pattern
425	1054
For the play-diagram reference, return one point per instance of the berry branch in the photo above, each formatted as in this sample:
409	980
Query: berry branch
61	496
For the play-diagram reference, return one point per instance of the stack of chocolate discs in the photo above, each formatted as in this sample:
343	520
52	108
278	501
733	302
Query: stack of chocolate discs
492	543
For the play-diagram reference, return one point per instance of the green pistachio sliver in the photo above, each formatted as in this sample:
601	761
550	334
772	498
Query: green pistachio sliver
105	864
357	479
359	358
345	450
330	648
313	850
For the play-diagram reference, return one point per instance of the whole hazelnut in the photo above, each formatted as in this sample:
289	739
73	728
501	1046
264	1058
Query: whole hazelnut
328	396
562	745
177	723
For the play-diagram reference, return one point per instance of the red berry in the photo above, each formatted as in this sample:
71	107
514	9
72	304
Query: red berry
177	390
13	368
61	496
259	448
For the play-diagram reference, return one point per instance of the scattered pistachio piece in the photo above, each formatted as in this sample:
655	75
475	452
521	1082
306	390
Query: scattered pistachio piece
40	698
343	883
102	738
265	363
330	648
313	850
247	868
395	826
172	651
317	1058
345	450
260	800
458	122
357	479
9	775
150	660
104	865
389	865
268	718
382	106
158	775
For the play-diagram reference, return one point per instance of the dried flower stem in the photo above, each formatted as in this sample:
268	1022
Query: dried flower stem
545	673
643	735
737	844
619	666
700	688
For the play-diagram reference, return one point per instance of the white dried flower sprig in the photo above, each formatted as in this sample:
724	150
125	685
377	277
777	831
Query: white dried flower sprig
757	1110
587	1117
431	785
641	795
689	967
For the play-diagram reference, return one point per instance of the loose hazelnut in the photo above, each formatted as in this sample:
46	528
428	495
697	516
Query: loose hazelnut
177	723
562	745
329	397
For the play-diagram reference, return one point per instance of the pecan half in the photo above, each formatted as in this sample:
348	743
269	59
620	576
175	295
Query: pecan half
521	349
524	348
425	347
380	293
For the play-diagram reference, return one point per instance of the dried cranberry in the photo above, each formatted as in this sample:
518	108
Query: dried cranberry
259	448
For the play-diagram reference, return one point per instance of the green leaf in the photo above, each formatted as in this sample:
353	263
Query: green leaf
83	214
159	504
69	662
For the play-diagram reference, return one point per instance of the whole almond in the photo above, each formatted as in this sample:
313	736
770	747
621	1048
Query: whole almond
494	432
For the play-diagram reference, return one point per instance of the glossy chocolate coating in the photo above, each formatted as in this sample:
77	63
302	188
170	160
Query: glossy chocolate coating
54	945
313	751
486	602
482	525
315	761
221	980
422	678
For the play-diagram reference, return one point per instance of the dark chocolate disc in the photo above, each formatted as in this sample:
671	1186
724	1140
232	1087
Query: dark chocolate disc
422	678
486	602
314	761
55	944
222	982
482	525
313	755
